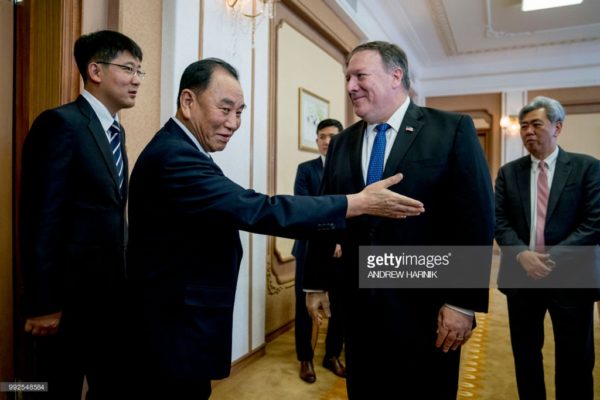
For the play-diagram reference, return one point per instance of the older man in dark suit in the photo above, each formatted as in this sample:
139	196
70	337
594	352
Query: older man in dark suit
184	249
404	343
72	221
548	224
307	183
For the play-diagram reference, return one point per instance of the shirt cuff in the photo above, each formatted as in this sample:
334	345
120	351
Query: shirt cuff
465	311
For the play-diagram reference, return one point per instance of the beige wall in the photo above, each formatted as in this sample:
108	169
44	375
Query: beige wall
302	64
297	60
6	222
488	102
143	22
309	50
581	134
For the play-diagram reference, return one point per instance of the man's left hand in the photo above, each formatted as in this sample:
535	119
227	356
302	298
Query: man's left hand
315	302
454	329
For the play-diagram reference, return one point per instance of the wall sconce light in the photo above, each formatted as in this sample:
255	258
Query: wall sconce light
510	125
251	8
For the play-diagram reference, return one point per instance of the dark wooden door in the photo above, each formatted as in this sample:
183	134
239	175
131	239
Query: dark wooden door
45	76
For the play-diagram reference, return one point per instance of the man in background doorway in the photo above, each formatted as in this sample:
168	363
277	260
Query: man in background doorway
72	223
547	203
307	183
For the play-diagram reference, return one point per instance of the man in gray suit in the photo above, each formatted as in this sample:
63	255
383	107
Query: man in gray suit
548	225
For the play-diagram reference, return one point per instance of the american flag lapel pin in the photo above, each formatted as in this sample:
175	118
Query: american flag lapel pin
410	129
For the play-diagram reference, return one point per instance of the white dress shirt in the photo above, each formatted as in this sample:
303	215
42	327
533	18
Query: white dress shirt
106	119
191	136
390	135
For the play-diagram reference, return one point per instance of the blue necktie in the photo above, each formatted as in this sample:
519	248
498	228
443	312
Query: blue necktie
375	171
115	144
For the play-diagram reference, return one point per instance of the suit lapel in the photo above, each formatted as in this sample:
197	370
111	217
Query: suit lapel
523	174
561	174
95	129
125	162
173	128
355	150
407	133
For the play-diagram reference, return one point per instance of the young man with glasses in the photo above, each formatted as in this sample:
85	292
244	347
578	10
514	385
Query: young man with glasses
72	222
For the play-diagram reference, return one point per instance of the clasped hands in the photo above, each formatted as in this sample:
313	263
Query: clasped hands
536	265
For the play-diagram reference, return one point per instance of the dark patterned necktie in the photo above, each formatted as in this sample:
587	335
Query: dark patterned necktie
115	144
375	171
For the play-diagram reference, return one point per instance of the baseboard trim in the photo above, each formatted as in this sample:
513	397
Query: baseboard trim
242	362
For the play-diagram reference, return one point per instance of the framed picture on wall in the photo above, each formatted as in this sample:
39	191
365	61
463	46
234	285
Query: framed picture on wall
312	110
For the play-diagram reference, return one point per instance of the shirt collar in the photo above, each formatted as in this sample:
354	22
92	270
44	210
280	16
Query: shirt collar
106	119
550	160
191	136
396	119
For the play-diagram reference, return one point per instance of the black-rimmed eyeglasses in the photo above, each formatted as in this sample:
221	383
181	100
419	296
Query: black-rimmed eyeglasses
128	69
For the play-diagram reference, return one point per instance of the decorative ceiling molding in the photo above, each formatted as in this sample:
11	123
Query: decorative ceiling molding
446	35
529	46
442	26
493	34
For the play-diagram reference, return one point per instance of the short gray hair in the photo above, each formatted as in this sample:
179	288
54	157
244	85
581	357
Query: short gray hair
392	56
554	110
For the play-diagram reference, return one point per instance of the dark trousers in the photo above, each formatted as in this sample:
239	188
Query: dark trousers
303	323
164	389
572	325
87	344
390	349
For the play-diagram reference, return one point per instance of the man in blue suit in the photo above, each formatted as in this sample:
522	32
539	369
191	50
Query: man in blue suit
404	341
184	248
72	222
548	225
307	183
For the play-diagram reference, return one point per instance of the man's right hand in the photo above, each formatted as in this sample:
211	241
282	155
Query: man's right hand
535	264
44	324
314	302
376	199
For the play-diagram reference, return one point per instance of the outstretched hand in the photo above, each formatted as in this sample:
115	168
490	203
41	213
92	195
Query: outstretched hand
376	199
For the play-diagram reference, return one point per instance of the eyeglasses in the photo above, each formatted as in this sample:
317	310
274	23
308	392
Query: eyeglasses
128	69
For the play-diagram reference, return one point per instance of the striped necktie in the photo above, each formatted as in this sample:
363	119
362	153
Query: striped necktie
376	162
115	144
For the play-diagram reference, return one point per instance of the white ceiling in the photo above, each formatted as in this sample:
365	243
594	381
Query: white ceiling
469	46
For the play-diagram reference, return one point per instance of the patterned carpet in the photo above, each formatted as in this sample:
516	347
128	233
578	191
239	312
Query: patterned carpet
487	370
